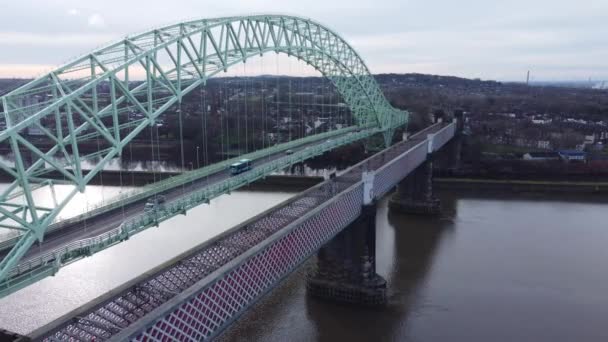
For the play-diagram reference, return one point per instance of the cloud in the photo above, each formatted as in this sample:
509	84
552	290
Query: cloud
45	40
474	38
24	70
96	21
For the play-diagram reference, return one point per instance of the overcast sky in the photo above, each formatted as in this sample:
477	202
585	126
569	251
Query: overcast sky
555	39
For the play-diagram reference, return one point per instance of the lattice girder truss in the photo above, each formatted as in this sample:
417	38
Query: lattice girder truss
95	99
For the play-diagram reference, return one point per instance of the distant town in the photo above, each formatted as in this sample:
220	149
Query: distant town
514	129
506	121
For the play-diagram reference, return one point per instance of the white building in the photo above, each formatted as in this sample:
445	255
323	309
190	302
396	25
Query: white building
544	144
542	121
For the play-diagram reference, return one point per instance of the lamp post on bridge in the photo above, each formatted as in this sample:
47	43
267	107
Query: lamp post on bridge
191	178
198	164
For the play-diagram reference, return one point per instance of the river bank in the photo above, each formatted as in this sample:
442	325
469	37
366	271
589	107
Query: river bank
521	186
485	270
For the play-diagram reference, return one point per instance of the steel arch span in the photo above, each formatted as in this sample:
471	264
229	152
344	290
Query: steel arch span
91	98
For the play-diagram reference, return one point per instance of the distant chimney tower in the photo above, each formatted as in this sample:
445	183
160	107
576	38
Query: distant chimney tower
528	78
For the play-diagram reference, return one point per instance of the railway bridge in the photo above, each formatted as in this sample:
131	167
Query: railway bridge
201	292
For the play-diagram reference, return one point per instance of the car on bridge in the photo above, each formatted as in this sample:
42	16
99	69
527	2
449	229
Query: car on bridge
155	203
240	166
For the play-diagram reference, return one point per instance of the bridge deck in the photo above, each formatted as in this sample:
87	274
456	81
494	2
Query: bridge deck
35	264
138	305
112	218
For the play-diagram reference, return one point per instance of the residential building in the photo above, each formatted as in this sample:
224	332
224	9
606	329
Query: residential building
541	156
572	155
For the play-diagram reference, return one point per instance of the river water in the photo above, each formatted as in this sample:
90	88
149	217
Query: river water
489	269
80	282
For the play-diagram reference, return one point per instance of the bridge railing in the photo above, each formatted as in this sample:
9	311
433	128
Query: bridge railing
260	267
245	235
423	133
390	174
170	183
437	140
211	285
48	263
217	300
206	194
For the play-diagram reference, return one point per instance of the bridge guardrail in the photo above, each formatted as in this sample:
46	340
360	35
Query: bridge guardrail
279	251
390	174
146	191
278	255
385	176
423	133
52	261
442	137
284	251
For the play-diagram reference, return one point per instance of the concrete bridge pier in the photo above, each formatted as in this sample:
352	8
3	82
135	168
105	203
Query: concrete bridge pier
414	194
455	146
346	266
9	336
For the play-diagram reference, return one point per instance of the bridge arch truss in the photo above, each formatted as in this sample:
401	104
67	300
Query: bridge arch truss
148	73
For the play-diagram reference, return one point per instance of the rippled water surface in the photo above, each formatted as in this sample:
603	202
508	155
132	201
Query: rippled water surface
82	281
490	269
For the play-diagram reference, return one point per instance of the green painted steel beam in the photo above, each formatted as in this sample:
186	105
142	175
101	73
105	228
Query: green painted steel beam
176	59
48	264
177	181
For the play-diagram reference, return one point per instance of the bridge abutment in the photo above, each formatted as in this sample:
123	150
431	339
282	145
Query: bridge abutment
414	193
452	154
346	266
6	335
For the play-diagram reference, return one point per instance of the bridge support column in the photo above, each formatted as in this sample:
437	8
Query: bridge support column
346	266
414	194
6	335
454	152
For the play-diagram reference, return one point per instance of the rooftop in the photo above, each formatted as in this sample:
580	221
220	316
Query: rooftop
543	154
572	152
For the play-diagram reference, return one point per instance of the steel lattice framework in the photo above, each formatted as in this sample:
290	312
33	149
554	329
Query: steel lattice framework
200	293
91	99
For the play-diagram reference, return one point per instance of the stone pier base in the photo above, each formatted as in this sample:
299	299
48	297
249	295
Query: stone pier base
430	207
370	294
414	194
346	266
8	336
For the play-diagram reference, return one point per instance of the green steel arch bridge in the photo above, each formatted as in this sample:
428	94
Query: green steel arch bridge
91	97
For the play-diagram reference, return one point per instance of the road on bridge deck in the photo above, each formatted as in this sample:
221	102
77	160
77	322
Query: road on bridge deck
109	220
175	278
